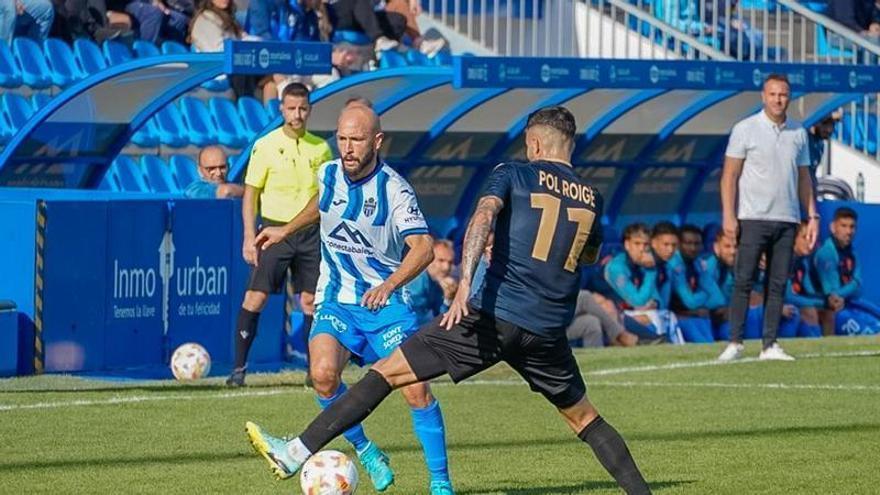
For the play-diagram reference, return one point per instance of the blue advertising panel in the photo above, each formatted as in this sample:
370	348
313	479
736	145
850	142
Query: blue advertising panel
74	283
137	283
274	57
526	72
197	260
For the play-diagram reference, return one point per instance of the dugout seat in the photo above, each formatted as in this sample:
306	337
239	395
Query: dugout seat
16	110
131	175
30	58
62	63
10	74
170	127
230	130
253	116
39	100
147	136
159	174
273	109
184	169
198	121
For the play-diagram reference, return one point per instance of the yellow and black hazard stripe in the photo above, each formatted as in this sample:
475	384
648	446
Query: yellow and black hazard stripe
38	289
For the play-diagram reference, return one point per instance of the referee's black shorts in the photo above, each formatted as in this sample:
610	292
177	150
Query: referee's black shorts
301	252
481	340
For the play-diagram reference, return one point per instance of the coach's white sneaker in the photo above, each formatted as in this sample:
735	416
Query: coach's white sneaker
732	352
774	353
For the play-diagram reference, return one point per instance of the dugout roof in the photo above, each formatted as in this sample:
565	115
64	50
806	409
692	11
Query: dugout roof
651	135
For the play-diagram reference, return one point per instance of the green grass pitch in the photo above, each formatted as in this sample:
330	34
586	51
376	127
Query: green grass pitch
812	426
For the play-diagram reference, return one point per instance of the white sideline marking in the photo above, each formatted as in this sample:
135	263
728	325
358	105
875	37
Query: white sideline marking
605	372
713	362
137	399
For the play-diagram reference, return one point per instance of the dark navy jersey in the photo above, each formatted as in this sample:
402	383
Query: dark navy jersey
549	216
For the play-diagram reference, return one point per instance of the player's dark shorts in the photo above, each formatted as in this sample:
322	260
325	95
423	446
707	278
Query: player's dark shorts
480	341
301	252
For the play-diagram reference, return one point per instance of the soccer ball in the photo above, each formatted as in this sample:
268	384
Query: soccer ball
190	362
329	472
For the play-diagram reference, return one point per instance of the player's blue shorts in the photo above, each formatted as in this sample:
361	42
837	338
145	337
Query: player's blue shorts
369	335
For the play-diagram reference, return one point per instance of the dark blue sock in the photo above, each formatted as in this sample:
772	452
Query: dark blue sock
355	435
428	426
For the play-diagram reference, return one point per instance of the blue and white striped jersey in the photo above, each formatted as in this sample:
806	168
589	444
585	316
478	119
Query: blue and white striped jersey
363	226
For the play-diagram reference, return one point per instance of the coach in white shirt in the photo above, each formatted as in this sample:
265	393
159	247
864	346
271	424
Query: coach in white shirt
766	171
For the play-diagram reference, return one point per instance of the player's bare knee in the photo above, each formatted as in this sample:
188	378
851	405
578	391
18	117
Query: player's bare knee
396	370
325	377
579	415
417	395
254	301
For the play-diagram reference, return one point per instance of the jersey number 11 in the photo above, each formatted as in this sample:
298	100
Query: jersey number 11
549	206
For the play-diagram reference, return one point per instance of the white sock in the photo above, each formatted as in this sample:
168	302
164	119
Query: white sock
297	451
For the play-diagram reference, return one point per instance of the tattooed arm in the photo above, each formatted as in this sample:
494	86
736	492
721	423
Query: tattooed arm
472	250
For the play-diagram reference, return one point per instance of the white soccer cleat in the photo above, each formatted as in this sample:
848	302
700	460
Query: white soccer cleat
732	352
774	353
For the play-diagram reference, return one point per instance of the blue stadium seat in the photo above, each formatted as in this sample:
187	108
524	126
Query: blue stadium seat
197	118
61	62
10	74
415	57
184	169
253	116
16	110
131	176
147	136
818	7
173	48
6	130
442	58
391	58
88	56
144	48
230	130
116	53
218	85
159	174
352	37
32	61
170	127
825	49
40	100
273	108
110	181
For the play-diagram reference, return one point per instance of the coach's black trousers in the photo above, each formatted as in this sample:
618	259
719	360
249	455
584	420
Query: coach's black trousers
757	237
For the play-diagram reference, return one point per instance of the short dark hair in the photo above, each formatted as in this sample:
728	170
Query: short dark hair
664	228
633	229
690	228
777	77
299	90
557	117
845	212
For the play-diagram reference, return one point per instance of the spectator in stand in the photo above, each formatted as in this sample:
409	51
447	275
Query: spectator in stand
803	289
716	280
213	23
593	326
733	30
632	276
856	15
841	280
213	168
29	18
818	135
90	19
434	289
154	21
688	298
385	27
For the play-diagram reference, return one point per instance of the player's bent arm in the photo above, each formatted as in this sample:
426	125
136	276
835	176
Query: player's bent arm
308	216
476	236
249	210
419	256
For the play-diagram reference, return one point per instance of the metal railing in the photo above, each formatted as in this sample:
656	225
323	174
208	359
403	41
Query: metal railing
568	28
